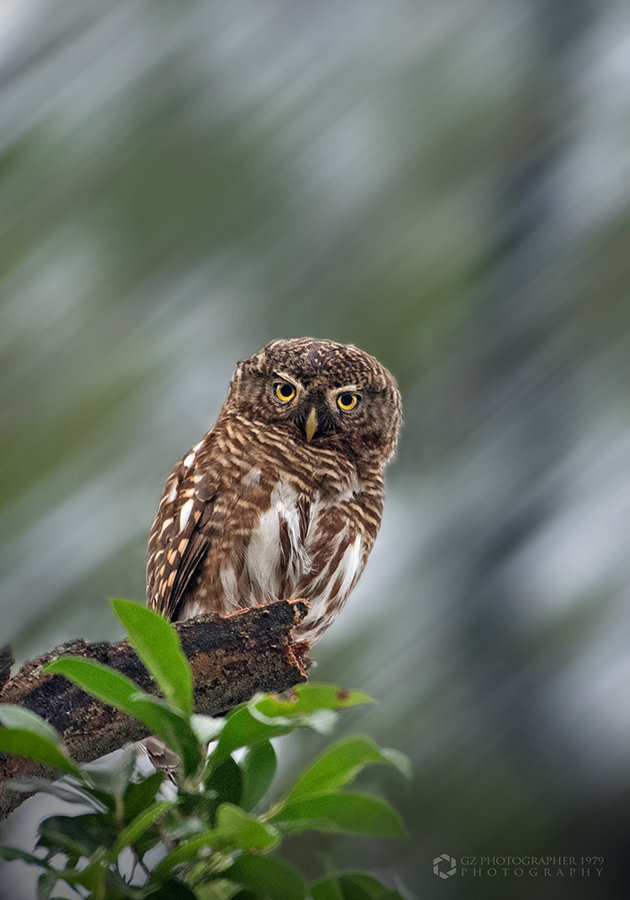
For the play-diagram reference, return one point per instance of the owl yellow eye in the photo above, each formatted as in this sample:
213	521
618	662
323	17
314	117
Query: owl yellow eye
347	401
284	391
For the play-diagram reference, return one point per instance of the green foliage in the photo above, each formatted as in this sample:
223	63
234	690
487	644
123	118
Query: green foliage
157	644
213	839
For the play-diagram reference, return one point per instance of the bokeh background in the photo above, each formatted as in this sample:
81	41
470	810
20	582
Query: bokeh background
445	183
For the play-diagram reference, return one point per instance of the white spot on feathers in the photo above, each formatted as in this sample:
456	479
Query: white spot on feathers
348	569
252	477
193	609
230	586
184	514
351	566
263	553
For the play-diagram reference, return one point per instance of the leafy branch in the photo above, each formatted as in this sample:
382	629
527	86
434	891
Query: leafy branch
230	659
211	837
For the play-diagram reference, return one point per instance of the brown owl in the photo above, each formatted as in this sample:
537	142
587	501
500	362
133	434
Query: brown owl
283	497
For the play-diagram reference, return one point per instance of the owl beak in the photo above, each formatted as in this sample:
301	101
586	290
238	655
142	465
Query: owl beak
310	426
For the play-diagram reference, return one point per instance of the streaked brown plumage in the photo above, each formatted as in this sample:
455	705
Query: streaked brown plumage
283	496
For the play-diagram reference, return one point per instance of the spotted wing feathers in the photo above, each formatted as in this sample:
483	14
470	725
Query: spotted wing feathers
180	536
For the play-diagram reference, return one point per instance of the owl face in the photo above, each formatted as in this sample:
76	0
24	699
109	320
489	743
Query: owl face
321	393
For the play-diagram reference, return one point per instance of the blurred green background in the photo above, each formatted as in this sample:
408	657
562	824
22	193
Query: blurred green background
445	183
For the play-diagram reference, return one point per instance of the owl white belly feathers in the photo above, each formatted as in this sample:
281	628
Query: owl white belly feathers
275	566
282	498
293	567
301	545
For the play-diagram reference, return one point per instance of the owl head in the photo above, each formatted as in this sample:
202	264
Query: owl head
322	393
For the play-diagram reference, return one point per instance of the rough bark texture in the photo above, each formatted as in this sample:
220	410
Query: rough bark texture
231	659
6	661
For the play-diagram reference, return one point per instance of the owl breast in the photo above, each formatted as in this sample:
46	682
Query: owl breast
277	555
293	553
305	543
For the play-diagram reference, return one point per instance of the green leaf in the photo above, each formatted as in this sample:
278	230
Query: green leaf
110	686
266	716
266	877
102	882
11	853
82	834
244	832
187	852
326	889
399	761
142	822
97	679
351	886
375	889
219	889
307	698
148	841
21	742
157	644
12	716
172	890
322	720
114	775
139	795
354	813
225	782
258	767
242	729
68	792
46	884
338	765
270	715
234	831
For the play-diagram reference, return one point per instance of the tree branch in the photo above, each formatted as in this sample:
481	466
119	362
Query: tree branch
231	659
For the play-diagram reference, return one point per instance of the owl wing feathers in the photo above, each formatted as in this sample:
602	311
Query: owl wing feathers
180	536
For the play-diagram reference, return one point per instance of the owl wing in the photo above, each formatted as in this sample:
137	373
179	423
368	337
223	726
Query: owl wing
180	535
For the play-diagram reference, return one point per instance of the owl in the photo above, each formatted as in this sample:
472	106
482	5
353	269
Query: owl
283	497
